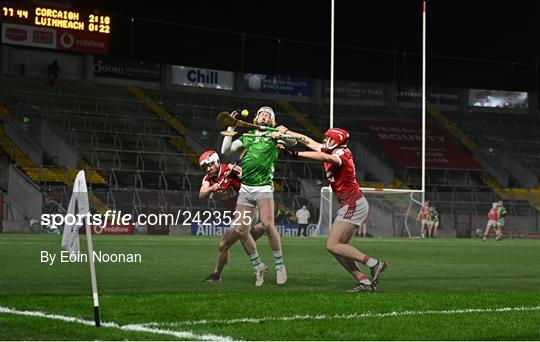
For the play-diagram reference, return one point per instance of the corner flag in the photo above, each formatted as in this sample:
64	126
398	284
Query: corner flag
78	205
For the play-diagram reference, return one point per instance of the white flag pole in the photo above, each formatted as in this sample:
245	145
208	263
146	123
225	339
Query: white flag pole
423	101
332	68
84	208
93	274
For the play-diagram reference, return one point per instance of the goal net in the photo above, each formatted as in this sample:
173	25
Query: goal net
393	212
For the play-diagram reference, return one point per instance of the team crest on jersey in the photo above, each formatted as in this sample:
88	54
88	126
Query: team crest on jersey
258	139
339	152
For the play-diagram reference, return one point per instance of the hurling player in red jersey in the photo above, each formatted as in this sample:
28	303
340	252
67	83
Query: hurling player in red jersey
423	215
493	218
353	206
223	180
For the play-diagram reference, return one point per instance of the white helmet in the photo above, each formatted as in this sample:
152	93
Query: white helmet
209	157
269	110
495	204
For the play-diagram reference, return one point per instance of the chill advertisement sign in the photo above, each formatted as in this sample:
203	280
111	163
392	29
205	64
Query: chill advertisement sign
204	78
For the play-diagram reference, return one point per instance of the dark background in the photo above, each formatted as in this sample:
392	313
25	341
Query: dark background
482	44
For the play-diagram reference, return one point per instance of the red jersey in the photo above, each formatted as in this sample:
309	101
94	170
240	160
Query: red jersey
342	177
423	214
493	214
228	190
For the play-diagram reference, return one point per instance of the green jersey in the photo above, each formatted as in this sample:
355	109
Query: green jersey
258	163
433	216
502	212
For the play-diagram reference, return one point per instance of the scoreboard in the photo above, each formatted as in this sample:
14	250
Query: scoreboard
45	16
68	28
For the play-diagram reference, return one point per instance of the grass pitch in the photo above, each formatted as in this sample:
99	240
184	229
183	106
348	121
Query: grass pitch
442	289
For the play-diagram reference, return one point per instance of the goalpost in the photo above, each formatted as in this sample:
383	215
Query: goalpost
392	212
390	201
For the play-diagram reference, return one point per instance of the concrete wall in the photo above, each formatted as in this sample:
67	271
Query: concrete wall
53	144
517	169
24	193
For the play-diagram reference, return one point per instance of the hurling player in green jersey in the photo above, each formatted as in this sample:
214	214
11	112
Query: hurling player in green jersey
257	191
432	222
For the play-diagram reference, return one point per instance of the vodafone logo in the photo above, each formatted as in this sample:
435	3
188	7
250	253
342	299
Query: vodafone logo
67	40
16	34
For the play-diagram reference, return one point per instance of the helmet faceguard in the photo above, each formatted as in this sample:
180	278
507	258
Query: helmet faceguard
339	137
268	110
208	158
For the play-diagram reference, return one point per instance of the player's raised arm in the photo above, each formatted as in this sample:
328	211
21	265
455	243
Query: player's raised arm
229	145
319	156
307	141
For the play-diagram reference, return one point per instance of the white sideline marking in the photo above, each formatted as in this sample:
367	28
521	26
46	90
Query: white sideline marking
343	316
128	327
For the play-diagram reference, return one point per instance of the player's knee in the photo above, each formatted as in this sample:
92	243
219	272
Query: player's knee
242	232
223	247
267	223
331	247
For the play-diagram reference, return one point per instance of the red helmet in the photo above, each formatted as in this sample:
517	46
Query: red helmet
340	137
209	157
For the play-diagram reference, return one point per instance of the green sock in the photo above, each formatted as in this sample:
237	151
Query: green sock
278	257
255	260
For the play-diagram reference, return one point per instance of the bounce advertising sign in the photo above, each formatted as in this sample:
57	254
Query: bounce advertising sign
403	143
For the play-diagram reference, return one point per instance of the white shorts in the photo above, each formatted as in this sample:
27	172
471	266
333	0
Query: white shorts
492	223
249	195
355	213
500	223
424	222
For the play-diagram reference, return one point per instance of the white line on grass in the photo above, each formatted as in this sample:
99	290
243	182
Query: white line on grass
343	316
128	327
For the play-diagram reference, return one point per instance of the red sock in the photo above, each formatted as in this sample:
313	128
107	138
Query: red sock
362	278
369	261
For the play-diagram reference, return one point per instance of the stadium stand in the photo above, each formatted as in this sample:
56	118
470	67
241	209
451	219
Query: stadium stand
141	146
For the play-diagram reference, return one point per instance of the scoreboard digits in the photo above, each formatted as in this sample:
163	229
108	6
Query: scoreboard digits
43	16
11	12
99	23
